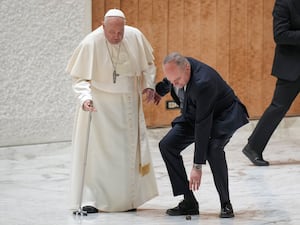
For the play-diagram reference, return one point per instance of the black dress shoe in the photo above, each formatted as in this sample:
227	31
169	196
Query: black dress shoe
90	209
131	210
184	208
226	211
254	157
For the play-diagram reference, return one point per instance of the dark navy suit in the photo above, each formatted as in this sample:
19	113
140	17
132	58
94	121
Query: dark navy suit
211	113
286	67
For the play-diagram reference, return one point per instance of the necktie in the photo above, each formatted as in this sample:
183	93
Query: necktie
181	96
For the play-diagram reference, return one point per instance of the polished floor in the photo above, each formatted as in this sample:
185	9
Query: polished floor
34	185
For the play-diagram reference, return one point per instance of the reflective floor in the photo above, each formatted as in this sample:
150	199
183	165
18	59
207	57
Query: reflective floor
34	185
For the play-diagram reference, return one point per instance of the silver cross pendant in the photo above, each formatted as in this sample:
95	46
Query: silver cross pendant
115	75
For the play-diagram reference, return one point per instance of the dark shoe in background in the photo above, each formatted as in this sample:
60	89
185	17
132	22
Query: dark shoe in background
184	208
226	211
90	209
254	157
132	210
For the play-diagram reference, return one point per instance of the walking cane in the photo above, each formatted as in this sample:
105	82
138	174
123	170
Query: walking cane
80	211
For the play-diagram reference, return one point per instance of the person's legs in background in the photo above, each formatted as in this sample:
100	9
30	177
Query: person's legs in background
284	95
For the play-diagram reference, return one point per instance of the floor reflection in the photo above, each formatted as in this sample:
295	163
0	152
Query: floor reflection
34	182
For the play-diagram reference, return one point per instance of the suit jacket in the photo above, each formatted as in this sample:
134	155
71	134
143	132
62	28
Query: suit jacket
210	107
286	27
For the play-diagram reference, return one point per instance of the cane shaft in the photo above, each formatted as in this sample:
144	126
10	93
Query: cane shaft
80	211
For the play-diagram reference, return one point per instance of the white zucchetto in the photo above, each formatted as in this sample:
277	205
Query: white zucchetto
115	13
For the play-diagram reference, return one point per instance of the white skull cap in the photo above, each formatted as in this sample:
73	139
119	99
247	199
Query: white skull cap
115	13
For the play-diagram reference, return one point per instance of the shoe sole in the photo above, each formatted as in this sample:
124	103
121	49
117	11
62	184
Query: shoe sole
227	216
191	213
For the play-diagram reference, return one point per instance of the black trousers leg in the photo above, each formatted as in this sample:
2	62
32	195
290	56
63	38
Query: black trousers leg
284	95
175	141
217	161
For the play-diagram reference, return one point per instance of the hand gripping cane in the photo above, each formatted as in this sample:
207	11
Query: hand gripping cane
80	211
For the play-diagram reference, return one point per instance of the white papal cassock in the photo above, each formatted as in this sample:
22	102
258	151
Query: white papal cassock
119	172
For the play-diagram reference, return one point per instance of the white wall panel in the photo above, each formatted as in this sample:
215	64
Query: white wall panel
37	38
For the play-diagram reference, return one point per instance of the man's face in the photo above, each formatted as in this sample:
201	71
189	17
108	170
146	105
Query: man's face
114	29
178	76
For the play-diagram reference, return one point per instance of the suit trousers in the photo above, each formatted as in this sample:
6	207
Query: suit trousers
175	141
284	95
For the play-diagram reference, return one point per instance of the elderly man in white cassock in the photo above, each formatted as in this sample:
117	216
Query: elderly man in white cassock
111	68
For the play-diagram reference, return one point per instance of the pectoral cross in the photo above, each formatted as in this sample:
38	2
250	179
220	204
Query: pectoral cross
115	75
